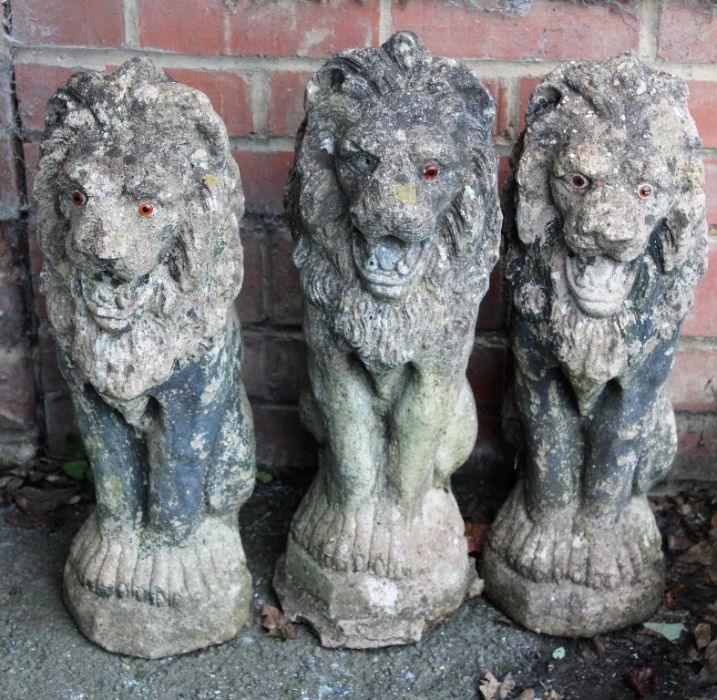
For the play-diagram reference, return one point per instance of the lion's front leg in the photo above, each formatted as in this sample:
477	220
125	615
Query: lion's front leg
106	546
533	529
335	520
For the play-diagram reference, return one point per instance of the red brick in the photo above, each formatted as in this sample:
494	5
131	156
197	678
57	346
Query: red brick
253	366
8	238
60	424
285	110
697	447
31	154
549	30
69	22
7	117
285	369
281	440
285	286
250	303
50	375
499	92
12	313
711	190
527	85
688	31
229	94
264	176
184	26
693	382
702	319
703	106
486	374
302	28
17	393
35	86
9	186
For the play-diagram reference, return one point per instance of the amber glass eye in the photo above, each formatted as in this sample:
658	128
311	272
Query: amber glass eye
430	172
645	190
77	198
579	181
146	209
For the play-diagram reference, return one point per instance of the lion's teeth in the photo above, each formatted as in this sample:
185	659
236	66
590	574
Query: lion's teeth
388	253
402	268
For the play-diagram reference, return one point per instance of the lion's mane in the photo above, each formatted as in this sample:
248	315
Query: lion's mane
193	285
466	245
623	93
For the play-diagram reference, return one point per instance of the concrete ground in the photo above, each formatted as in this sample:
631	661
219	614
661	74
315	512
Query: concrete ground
44	657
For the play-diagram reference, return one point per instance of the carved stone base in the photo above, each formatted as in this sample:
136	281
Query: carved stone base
569	580
363	608
195	594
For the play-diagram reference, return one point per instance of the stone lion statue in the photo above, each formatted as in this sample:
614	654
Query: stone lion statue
393	206
607	241
139	202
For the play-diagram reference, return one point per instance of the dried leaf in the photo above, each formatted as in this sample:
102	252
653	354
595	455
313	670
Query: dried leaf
668	599
553	695
708	674
20	519
276	623
678	542
703	635
642	680
599	647
506	687
34	501
700	553
476	534
713	520
527	694
488	686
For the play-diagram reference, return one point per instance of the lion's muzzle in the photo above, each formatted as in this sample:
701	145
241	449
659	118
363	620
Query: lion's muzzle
599	285
389	265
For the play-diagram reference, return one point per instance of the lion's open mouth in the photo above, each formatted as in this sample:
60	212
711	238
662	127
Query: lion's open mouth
599	284
389	264
114	303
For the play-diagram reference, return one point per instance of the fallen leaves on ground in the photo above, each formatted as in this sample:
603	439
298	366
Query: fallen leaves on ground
708	674
492	689
276	623
642	680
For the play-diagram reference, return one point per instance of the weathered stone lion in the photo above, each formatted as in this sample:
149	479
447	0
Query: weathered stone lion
393	205
139	202
606	245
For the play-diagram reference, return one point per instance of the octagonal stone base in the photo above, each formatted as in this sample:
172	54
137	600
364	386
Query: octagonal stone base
213	602
363	609
548	592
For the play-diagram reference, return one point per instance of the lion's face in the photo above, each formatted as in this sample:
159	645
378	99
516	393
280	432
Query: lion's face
612	192
398	182
122	218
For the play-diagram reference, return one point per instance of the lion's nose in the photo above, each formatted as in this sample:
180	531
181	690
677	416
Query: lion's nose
92	241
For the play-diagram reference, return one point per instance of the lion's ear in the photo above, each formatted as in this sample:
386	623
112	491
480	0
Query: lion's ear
545	97
406	49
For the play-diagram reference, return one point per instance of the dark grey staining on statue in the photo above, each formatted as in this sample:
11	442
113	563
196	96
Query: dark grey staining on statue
393	206
139	202
606	244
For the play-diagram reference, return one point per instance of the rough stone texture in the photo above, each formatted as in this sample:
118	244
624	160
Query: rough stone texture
393	205
606	243
139	202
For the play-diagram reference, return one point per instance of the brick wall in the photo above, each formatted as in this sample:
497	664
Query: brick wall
253	58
